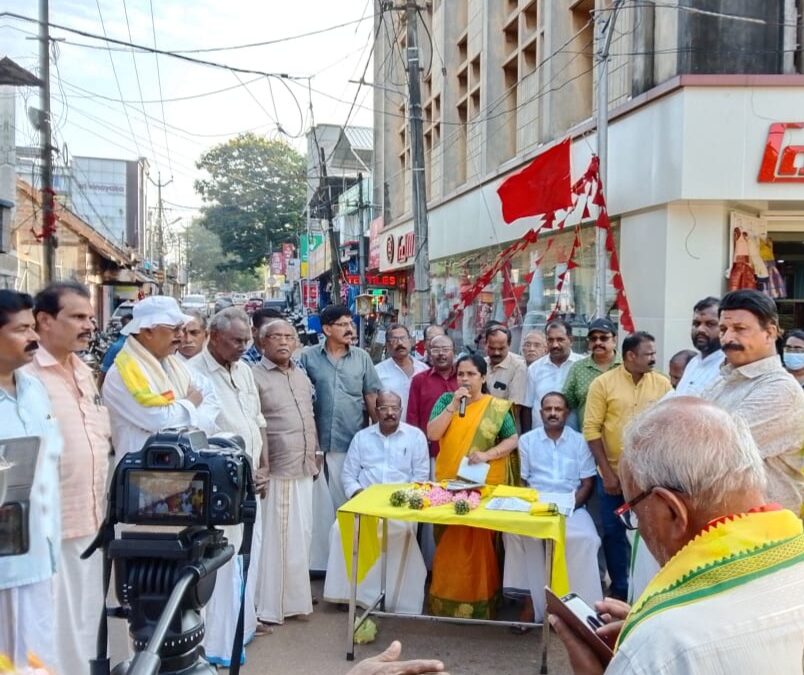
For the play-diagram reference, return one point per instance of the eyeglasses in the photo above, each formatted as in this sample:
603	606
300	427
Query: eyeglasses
389	408
440	350
394	339
599	338
626	512
278	337
533	345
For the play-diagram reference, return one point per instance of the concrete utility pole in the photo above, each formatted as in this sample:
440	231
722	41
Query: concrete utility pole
49	240
601	258
421	262
160	230
333	242
361	253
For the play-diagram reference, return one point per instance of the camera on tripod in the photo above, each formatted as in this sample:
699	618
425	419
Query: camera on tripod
181	478
164	578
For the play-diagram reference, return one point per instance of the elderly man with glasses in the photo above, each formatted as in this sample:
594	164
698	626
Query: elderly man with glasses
728	598
398	370
387	452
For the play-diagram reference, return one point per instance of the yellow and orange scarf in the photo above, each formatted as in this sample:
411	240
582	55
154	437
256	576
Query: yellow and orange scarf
152	383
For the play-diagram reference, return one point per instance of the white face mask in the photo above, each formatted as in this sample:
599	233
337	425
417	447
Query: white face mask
794	360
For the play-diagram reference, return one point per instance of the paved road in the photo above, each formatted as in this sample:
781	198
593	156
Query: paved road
317	646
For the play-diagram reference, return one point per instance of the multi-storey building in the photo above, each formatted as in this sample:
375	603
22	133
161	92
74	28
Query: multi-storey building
706	136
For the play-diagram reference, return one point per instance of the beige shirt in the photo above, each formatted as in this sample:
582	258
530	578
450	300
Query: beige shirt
84	426
238	399
509	379
286	397
772	403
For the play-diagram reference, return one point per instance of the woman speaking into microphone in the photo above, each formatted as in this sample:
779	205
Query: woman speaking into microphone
469	423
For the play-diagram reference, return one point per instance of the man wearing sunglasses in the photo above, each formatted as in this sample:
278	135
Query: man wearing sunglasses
728	598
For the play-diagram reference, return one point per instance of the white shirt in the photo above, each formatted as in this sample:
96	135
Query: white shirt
543	377
239	399
555	466
757	627
395	379
699	374
402	457
133	423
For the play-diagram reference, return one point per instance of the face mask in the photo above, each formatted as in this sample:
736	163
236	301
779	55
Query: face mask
793	361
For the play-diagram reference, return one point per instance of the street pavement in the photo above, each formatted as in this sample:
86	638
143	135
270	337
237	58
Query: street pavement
318	646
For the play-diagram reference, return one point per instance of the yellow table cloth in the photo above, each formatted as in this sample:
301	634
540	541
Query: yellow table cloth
374	503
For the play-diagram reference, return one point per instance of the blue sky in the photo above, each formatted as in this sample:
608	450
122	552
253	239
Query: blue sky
88	124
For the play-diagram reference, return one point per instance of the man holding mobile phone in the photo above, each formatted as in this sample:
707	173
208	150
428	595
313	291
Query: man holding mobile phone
728	597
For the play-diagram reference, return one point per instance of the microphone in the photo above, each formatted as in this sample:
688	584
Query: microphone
462	407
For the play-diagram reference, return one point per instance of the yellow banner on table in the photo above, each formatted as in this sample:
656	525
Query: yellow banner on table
374	503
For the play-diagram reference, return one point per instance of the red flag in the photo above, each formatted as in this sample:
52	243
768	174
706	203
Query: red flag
541	187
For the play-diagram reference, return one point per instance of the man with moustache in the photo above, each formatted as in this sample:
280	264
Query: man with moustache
555	458
258	319
613	399
534	346
294	461
239	413
387	452
602	340
63	314
433	330
704	368
149	388
27	612
397	371
754	384
194	335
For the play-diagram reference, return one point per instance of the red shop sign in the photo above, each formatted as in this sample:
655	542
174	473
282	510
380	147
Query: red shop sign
779	161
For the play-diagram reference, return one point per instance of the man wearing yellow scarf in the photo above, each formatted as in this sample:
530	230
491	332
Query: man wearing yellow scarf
729	597
149	388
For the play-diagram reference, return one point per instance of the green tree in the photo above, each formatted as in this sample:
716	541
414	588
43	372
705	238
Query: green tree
209	267
254	194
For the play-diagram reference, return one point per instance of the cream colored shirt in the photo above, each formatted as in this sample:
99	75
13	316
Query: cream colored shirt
772	403
238	399
509	379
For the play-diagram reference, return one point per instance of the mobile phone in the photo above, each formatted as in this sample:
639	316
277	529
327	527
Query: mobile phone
581	619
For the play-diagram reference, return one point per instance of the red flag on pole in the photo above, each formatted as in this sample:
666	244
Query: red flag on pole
541	187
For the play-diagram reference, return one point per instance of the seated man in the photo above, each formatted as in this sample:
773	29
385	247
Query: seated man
555	458
387	452
728	598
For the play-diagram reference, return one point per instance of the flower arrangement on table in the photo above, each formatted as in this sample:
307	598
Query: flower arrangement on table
424	495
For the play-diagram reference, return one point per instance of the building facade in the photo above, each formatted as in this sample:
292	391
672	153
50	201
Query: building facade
696	98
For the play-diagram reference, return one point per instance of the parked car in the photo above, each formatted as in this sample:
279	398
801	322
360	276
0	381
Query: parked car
222	303
275	303
253	304
125	308
239	299
194	303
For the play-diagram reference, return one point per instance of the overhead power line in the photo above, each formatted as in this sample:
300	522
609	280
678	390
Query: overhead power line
159	82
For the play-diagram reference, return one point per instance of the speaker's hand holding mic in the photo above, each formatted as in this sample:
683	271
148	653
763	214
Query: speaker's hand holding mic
460	398
462	407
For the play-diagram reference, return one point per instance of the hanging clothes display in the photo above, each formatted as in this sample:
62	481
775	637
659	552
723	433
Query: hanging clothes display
742	274
774	285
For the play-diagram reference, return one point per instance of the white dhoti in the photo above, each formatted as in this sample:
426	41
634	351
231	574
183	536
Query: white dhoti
78	587
335	462
287	533
643	568
406	575
27	624
524	560
323	517
222	610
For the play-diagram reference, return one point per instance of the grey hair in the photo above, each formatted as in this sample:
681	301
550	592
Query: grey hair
388	392
694	447
270	324
198	316
223	319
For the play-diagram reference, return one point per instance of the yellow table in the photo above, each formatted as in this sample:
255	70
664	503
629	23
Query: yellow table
358	519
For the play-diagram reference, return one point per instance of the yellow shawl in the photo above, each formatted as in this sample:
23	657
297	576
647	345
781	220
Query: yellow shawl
151	382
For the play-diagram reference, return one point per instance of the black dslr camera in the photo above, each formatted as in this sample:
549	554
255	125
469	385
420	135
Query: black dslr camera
182	478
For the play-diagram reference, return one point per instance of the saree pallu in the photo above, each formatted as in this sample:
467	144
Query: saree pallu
466	573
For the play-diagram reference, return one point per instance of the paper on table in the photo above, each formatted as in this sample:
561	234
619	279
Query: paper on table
564	501
473	473
508	504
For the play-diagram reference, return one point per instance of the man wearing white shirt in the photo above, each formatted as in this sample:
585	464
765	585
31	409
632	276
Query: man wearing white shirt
398	369
387	452
549	373
704	368
555	458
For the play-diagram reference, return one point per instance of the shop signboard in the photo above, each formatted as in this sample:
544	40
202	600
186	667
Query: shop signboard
781	154
319	259
397	248
374	244
306	244
277	263
292	267
310	294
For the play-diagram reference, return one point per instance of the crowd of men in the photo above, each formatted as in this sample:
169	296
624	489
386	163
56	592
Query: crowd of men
324	423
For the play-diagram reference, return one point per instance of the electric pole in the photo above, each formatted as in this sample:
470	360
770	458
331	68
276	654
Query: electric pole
601	259
160	230
361	254
333	242
49	240
421	261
